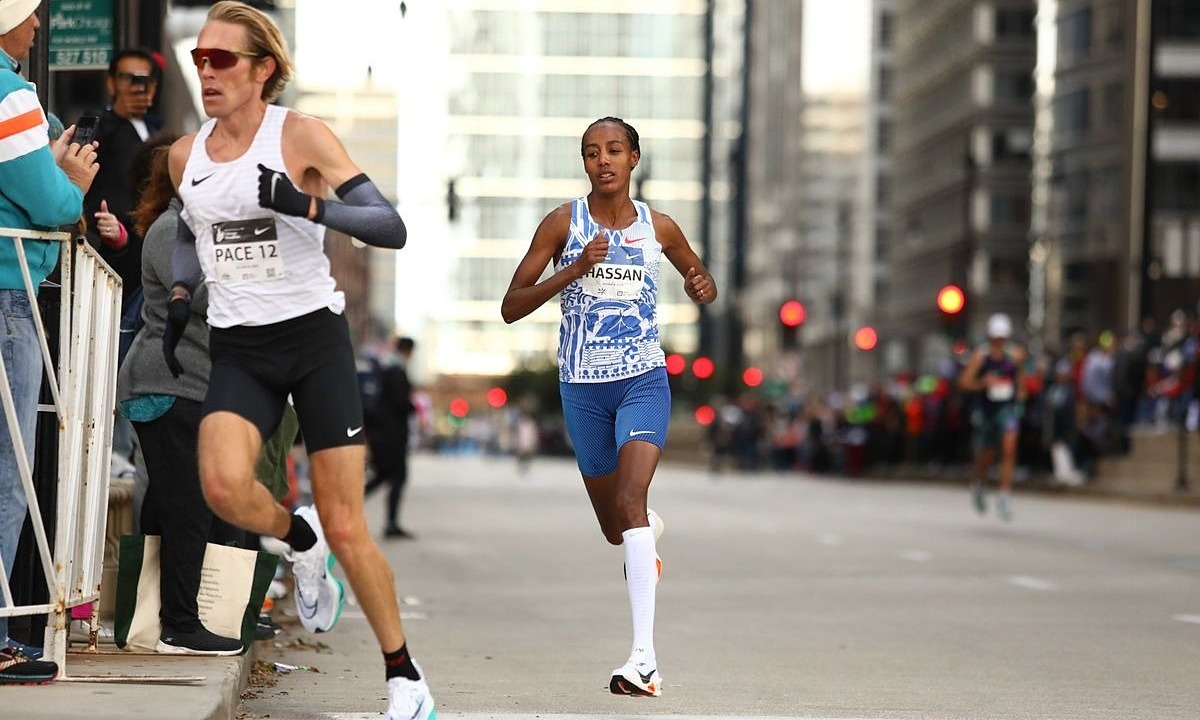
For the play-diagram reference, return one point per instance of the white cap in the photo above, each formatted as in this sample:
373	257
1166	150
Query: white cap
999	326
15	12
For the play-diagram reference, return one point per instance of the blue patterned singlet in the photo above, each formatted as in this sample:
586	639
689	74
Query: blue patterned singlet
609	325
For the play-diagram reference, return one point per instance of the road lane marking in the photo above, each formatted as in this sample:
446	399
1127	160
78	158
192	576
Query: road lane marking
917	555
1030	583
1193	619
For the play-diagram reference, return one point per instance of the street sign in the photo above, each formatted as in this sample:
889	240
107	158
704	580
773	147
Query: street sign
81	34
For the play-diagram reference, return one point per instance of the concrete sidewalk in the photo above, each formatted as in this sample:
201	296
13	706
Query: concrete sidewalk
116	685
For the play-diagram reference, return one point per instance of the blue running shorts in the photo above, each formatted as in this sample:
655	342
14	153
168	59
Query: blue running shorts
602	417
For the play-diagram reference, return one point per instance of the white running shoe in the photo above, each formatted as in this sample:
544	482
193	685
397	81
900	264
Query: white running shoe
630	680
410	699
656	523
319	595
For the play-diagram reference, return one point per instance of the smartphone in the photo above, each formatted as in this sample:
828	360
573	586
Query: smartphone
85	129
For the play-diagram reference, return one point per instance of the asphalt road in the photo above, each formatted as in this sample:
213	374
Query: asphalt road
782	597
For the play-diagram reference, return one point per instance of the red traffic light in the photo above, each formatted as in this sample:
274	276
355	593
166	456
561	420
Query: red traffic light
705	414
792	313
459	407
753	377
497	398
702	367
676	364
950	299
865	338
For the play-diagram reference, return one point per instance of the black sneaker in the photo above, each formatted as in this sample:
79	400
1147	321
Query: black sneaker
397	532
267	628
17	669
199	642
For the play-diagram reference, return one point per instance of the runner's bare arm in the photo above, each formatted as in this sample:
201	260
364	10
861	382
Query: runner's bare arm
698	283
525	294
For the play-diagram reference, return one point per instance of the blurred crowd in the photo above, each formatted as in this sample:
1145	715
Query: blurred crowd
1084	402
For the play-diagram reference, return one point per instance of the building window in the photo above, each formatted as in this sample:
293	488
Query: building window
883	141
1075	34
1014	143
887	30
1011	85
1014	23
1178	18
1072	112
1008	211
1114	104
883	93
1176	185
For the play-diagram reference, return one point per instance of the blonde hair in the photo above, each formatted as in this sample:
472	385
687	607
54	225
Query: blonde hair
265	39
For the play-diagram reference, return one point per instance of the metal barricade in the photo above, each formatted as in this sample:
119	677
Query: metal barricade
83	389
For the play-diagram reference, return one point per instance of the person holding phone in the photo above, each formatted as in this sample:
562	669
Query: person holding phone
606	249
43	185
121	131
254	180
122	128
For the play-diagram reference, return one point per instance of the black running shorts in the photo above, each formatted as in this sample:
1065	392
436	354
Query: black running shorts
255	368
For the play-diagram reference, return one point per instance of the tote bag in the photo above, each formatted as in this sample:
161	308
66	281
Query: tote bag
233	584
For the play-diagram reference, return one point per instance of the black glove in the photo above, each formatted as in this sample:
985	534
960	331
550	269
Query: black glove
179	309
276	192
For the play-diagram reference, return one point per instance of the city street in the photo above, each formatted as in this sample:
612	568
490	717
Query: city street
782	596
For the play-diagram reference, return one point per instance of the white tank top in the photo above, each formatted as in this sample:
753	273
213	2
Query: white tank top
261	267
609	325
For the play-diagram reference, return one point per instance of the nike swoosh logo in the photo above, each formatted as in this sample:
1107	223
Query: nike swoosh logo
197	181
646	676
261	230
274	179
634	433
630	241
307	610
353	432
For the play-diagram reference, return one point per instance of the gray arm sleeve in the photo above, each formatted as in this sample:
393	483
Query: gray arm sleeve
364	213
185	263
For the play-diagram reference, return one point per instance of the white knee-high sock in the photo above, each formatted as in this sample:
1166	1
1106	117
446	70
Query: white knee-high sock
641	577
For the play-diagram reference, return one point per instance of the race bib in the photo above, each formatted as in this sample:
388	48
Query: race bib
247	251
1000	391
611	281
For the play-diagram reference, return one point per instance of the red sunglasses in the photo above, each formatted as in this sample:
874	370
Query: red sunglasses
219	59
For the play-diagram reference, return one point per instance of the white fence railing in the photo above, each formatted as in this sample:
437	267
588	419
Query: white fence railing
83	388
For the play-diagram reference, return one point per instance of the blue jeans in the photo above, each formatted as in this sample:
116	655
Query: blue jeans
23	363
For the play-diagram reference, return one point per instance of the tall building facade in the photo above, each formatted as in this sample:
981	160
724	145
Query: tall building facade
1118	237
960	197
771	190
496	134
875	231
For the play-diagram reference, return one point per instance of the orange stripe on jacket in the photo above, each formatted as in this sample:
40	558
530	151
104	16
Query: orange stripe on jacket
21	123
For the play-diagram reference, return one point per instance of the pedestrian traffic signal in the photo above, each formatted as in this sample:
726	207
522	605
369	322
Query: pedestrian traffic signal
865	338
792	313
791	316
950	299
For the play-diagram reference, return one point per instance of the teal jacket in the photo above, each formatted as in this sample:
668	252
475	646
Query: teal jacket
35	193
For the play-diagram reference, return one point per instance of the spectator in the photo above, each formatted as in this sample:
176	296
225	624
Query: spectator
388	433
41	187
124	127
